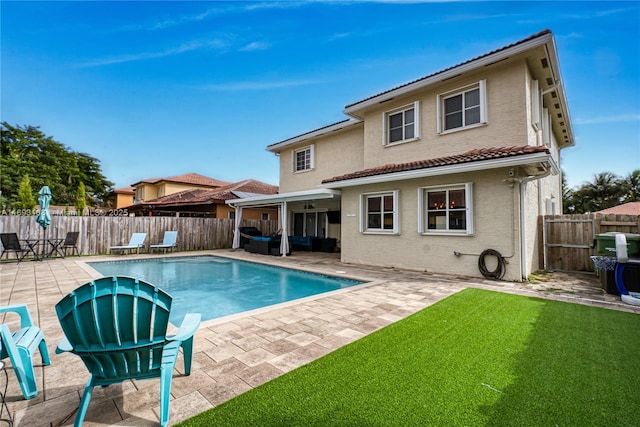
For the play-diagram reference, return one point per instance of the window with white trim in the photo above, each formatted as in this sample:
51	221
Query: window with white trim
380	213
462	108
446	209
402	124
303	159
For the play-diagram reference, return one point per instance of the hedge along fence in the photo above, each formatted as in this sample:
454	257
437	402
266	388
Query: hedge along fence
98	233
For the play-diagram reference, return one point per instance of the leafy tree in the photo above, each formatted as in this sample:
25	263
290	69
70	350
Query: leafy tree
631	186
25	200
81	200
25	150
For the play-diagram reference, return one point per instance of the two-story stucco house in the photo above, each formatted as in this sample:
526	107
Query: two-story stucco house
432	174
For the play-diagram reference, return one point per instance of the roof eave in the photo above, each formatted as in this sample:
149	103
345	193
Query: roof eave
447	170
354	110
277	147
316	194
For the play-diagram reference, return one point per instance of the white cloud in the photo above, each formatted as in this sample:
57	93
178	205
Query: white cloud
608	119
255	46
183	48
258	85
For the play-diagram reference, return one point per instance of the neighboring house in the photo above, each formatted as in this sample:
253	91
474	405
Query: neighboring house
630	208
210	203
121	197
152	188
432	173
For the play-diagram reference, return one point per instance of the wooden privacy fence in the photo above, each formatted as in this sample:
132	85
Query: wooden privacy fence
568	241
98	233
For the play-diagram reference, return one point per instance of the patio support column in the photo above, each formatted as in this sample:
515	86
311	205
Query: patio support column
284	239
236	230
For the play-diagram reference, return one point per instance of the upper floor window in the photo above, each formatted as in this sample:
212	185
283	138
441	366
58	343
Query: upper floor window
462	108
380	213
303	159
446	209
402	124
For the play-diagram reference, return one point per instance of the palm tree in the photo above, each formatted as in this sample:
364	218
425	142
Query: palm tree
605	191
632	187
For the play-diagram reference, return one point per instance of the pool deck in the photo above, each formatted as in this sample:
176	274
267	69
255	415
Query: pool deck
238	352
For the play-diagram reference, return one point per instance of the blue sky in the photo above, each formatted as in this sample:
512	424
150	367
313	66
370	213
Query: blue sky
157	89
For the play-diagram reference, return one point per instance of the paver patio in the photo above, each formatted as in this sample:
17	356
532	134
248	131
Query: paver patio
238	352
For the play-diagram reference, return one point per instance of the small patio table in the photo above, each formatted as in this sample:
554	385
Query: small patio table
53	244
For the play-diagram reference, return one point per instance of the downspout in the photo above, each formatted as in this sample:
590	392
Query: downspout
523	223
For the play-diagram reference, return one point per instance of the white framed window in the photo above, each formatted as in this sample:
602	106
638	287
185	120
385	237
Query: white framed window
380	213
463	108
446	209
265	216
303	159
402	124
231	214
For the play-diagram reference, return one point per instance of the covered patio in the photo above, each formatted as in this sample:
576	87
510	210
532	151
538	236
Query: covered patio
302	215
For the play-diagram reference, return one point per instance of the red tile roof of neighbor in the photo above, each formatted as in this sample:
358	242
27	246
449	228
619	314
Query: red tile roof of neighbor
124	190
631	208
470	156
188	178
209	195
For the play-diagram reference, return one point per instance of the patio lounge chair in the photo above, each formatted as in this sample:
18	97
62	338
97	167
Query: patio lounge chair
19	347
168	242
136	242
10	243
118	326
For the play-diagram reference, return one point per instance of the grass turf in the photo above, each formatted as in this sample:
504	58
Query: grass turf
475	358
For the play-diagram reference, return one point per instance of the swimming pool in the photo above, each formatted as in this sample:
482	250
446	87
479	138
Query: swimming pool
217	286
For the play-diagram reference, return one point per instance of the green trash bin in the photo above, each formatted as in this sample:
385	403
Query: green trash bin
606	244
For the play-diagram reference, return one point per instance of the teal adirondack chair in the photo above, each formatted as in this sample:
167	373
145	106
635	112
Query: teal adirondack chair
118	326
19	347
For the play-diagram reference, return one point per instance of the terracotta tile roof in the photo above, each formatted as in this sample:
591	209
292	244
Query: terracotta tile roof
207	195
124	190
470	156
631	208
188	178
535	36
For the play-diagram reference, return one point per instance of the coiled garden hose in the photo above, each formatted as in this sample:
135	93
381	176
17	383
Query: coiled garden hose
500	269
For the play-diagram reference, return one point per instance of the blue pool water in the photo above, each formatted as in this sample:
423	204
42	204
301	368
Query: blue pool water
217	287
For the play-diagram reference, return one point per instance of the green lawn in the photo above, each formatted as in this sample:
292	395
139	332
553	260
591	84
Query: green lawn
475	358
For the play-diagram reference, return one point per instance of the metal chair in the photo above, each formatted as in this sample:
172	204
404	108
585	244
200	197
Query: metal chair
10	243
118	325
20	345
71	242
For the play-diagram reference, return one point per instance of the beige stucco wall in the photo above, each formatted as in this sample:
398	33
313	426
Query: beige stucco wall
336	154
496	201
506	119
123	200
496	226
